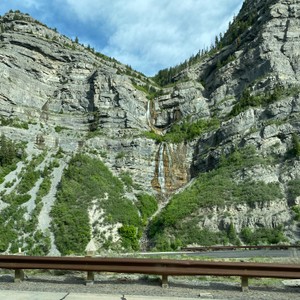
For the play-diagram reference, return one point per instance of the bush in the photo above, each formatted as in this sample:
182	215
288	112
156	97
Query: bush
293	190
16	199
10	153
28	181
147	205
296	210
185	131
59	128
264	236
296	145
130	238
247	100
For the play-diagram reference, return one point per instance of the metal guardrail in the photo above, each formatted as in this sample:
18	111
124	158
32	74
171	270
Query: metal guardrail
163	267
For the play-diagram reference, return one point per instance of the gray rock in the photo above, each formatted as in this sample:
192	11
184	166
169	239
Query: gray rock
74	99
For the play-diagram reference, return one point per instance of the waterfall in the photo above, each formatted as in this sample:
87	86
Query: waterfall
169	158
148	114
161	169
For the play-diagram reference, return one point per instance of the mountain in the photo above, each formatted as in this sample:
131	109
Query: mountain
96	156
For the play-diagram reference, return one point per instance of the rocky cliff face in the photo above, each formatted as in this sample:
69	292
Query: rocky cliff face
76	100
48	78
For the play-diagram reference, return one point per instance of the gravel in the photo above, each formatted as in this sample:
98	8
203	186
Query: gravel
192	287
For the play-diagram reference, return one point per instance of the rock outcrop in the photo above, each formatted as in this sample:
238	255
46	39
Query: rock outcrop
72	98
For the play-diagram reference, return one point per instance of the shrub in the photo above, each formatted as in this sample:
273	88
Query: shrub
8	152
296	145
87	180
120	155
16	199
263	236
28	181
147	205
59	128
247	100
185	131
296	210
130	238
293	190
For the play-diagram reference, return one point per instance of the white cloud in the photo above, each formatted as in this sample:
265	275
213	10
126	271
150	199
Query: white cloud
31	4
146	34
151	33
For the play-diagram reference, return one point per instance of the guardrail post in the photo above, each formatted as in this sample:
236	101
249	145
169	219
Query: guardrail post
90	274
19	275
164	281
244	284
89	278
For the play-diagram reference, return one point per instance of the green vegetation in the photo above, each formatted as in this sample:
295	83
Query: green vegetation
59	128
18	231
120	155
293	190
247	100
185	131
14	122
296	145
10	154
215	188
30	175
94	132
148	89
225	61
130	237
38	244
263	236
16	199
237	28
147	205
296	210
127	180
12	220
86	181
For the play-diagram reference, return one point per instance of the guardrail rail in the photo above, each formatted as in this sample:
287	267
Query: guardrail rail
162	267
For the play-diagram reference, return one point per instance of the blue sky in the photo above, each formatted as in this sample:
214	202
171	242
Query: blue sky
148	35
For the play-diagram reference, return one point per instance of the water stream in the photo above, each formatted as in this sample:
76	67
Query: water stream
161	169
148	113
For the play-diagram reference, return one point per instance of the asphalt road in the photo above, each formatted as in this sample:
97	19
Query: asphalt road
292	253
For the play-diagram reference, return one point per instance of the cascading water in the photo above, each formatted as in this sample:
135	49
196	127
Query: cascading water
169	159
164	168
148	114
161	169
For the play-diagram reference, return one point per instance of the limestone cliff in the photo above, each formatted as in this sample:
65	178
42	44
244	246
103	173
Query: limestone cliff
57	95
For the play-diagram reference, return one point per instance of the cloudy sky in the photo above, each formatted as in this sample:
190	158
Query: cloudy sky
148	35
